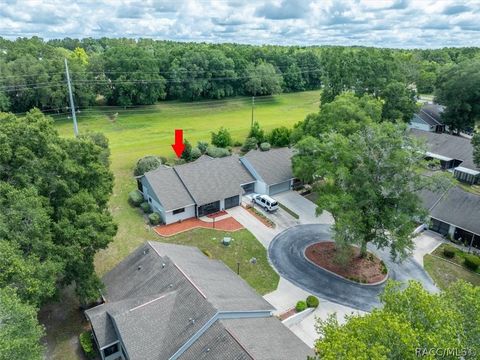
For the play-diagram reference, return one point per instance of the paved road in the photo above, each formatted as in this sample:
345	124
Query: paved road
286	253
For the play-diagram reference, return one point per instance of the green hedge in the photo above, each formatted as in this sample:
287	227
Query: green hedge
301	305
135	198
146	208
312	301
449	251
472	262
86	342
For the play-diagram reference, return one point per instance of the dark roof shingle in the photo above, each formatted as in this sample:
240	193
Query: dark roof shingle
273	166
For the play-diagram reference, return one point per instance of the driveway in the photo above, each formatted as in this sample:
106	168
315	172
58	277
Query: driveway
425	243
303	207
286	253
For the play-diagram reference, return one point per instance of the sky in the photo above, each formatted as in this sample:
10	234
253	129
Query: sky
381	23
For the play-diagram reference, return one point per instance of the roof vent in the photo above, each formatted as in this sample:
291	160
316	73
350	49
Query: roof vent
146	251
139	267
163	265
207	350
171	285
192	321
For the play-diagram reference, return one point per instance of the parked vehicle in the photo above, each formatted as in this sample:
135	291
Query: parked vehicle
266	202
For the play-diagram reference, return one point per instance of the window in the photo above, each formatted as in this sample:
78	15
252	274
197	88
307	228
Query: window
110	350
149	199
178	211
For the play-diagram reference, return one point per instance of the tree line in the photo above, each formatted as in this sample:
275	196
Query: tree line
128	72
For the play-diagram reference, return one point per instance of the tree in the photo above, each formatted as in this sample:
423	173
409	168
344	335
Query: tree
221	138
73	183
346	114
399	102
250	143
476	149
20	332
412	321
370	185
263	79
187	151
280	136
293	79
458	88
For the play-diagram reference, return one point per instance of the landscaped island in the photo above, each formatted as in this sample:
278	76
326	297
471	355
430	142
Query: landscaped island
366	270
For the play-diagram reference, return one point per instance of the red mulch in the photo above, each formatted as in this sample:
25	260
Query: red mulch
217	214
228	224
287	314
366	270
263	220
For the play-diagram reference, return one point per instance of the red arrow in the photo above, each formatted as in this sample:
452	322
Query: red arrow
179	146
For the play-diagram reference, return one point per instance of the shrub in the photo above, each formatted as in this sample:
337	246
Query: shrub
257	132
187	151
86	342
472	262
265	146
312	301
217	152
449	251
202	146
249	144
301	305
146	208
207	253
384	269
147	163
135	198
154	218
280	136
222	138
237	143
195	153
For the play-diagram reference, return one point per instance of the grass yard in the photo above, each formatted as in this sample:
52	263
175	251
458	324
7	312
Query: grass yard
444	273
149	130
458	258
244	247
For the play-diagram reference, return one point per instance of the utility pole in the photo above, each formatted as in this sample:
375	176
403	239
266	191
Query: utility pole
253	106
72	105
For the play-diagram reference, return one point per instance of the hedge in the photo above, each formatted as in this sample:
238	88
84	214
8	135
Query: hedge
301	305
147	163
86	342
472	262
265	146
135	198
449	251
312	301
154	218
146	208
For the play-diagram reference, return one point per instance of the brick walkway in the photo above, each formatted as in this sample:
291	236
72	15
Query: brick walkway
228	224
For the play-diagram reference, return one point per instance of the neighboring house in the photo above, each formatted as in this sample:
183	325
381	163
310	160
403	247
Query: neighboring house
455	154
272	169
455	213
167	301
208	185
428	118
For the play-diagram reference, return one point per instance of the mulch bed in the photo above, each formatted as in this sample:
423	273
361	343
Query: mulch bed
287	314
227	224
266	221
367	270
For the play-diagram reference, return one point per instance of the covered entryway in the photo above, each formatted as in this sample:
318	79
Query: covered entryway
278	188
439	226
209	208
232	201
249	188
467	238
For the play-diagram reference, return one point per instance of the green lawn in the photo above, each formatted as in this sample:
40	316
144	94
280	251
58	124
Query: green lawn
444	273
243	248
149	130
458	258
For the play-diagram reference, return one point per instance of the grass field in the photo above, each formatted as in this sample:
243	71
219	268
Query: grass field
149	130
444	273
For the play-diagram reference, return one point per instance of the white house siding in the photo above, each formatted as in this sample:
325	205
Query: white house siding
419	126
187	214
261	187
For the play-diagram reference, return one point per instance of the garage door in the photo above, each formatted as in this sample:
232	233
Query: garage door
249	188
232	201
278	188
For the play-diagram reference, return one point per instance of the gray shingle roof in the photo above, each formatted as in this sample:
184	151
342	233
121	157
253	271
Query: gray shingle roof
169	188
451	146
153	295
273	166
431	114
460	208
209	181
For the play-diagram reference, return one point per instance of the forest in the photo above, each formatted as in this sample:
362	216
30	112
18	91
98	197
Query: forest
128	72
